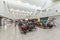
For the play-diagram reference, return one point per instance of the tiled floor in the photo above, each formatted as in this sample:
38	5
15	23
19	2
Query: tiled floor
13	33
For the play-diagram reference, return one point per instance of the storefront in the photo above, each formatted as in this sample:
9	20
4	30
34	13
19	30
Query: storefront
44	19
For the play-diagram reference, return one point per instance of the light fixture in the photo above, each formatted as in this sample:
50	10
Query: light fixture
30	12
26	19
18	1
27	4
39	8
11	9
13	12
17	10
34	6
27	11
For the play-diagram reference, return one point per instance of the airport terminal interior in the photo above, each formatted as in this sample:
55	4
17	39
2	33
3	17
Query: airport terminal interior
29	19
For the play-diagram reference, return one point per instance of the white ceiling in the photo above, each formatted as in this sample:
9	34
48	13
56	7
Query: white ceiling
30	3
28	8
39	3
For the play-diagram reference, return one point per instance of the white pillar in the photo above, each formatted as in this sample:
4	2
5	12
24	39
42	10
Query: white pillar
3	23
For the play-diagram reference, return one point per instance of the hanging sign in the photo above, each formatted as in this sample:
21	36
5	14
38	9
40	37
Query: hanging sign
44	19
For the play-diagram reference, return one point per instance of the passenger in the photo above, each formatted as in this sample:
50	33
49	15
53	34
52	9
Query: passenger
30	28
27	26
50	24
24	28
20	24
44	26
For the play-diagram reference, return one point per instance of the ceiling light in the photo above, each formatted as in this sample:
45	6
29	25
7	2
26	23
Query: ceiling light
17	10
13	13
26	19
39	8
27	12
34	6
30	12
18	1
23	11
27	3
11	9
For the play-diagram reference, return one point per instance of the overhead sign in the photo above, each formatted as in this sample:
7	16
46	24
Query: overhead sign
44	20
